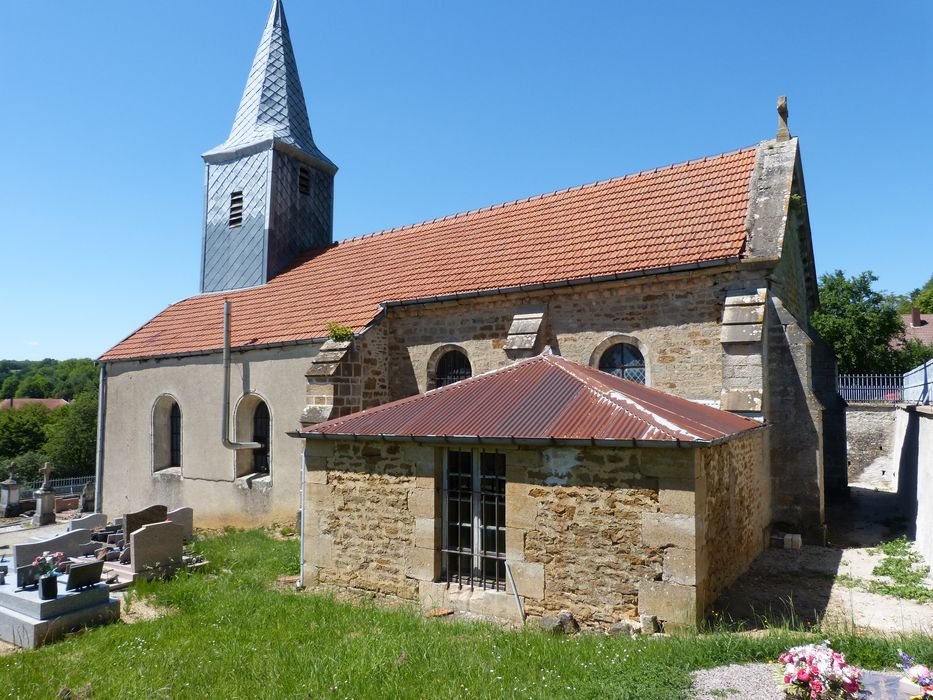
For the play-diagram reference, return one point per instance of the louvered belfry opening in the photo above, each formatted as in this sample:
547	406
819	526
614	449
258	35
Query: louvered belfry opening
236	209
304	181
473	552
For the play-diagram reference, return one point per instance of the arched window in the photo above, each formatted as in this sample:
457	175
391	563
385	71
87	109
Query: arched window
623	360
166	433
174	420
253	424
453	366
262	428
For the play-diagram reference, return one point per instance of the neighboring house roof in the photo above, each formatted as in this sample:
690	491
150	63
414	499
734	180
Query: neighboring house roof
684	215
19	403
922	332
544	398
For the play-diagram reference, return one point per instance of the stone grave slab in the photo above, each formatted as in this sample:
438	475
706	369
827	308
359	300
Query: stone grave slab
94	521
75	543
185	518
157	545
133	521
29	604
29	633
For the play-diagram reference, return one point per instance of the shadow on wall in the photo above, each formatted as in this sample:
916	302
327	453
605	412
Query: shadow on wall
908	468
794	586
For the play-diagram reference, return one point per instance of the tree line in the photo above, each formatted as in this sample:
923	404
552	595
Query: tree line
863	325
33	434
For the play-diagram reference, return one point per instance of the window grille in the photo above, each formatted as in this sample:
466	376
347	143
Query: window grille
473	551
175	436
236	209
452	367
262	425
624	360
304	181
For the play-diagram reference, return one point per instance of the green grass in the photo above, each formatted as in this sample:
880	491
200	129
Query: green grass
905	569
232	634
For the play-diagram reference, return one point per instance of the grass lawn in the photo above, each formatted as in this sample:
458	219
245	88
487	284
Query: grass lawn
230	633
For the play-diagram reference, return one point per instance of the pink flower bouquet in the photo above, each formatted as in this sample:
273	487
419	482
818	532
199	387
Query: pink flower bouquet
918	674
816	672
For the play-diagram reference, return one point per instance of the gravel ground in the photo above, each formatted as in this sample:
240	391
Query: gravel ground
764	681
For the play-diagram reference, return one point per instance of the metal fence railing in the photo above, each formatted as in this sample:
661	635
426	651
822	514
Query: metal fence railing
71	486
871	388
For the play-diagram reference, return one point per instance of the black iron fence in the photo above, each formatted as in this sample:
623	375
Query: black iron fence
871	388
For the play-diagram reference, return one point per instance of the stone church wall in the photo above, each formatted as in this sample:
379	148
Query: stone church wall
206	480
605	533
674	319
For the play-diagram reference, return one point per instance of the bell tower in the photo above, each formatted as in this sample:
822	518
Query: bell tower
269	191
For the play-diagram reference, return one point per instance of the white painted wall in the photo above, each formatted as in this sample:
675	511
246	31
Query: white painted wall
206	480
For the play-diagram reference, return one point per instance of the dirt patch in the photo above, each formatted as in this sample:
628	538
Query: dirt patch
138	609
6	649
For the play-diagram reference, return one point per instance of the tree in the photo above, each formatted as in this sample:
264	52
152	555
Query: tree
859	323
36	386
9	387
72	437
922	298
22	430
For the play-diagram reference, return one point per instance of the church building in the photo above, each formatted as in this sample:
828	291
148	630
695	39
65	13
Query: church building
624	370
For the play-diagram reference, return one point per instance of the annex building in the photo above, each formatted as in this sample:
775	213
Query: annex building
612	391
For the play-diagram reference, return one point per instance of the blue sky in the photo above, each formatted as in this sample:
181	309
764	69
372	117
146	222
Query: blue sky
429	109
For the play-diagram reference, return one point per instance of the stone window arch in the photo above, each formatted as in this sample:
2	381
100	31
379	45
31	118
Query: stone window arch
166	433
622	356
448	364
254	424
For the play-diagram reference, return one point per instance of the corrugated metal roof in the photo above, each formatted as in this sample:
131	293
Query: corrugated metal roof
543	398
681	215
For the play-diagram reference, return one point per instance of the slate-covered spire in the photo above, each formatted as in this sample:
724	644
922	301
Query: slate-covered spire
273	104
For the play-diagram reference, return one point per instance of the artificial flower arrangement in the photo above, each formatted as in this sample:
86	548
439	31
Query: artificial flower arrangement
816	672
918	674
48	562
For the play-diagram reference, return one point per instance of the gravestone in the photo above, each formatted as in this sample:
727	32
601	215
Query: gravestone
185	518
156	546
133	521
94	521
84	575
75	543
45	499
86	501
9	495
27	575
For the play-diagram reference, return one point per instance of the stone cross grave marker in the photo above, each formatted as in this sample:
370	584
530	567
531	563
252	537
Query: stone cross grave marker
46	470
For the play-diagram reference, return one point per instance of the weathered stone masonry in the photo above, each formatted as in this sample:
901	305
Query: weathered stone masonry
606	533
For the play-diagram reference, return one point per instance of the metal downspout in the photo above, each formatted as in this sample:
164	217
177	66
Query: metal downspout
225	417
301	516
101	418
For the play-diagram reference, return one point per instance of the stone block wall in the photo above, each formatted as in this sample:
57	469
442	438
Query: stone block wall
733	493
674	319
870	432
605	533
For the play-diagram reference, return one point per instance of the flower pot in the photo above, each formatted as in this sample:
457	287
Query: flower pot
48	587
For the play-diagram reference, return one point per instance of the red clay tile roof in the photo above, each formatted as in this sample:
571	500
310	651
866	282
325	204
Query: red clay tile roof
50	404
679	215
542	398
923	332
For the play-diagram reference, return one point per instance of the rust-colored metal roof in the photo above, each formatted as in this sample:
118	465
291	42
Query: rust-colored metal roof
681	215
544	398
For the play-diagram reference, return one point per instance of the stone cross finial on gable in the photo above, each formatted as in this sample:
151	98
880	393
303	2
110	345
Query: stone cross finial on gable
46	471
783	133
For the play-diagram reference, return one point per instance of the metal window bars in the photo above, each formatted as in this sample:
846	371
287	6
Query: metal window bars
262	425
473	551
